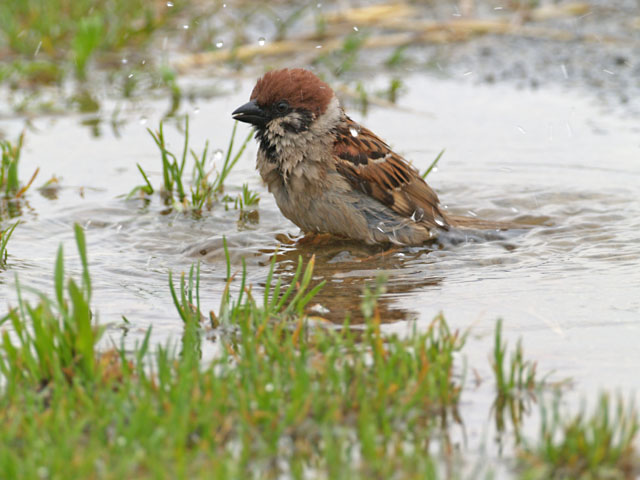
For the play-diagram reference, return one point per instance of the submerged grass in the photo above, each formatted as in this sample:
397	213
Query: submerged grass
5	235
247	199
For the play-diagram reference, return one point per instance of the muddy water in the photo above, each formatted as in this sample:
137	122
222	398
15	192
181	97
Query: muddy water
568	166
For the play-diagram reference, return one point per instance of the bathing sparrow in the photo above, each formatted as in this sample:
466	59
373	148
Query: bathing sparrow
329	174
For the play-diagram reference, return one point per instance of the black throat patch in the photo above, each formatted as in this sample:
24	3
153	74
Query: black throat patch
265	145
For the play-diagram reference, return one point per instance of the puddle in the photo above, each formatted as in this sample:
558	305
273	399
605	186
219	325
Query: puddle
568	286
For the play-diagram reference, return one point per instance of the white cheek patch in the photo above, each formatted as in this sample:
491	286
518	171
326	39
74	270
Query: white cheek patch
329	119
275	128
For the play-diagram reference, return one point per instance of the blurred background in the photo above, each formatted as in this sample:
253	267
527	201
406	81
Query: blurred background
61	56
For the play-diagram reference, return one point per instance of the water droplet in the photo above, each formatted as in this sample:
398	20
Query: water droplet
466	74
169	4
563	67
353	131
224	5
472	213
217	155
318	46
38	48
143	62
608	72
130	75
261	41
124	61
143	120
355	29
417	215
185	26
319	309
219	44
196	110
498	8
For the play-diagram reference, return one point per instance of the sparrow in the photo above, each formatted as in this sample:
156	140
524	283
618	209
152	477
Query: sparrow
329	174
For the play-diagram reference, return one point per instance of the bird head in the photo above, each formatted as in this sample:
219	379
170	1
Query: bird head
286	101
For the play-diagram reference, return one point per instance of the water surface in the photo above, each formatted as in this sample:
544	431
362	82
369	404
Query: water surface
555	159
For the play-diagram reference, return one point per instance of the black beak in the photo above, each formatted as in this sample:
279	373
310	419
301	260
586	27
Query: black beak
250	113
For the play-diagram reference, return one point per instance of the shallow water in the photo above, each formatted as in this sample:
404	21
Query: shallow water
554	159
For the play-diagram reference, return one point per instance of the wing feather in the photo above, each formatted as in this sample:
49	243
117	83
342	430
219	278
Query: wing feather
371	167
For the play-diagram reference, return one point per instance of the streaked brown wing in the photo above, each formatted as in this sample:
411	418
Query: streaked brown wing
373	168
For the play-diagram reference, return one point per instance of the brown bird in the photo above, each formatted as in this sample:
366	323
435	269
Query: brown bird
329	174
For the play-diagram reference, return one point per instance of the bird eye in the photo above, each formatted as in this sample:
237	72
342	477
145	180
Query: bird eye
282	106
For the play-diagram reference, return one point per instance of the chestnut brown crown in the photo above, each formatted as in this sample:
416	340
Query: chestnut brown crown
297	86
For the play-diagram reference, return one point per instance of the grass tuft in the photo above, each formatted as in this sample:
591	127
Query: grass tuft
599	445
5	235
203	191
516	383
292	396
9	180
47	30
281	397
54	340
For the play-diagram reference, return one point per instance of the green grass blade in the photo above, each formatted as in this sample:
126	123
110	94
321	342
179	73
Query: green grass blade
185	148
149	188
58	276
227	258
82	251
433	164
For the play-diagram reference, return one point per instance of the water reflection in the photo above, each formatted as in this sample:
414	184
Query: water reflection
348	268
